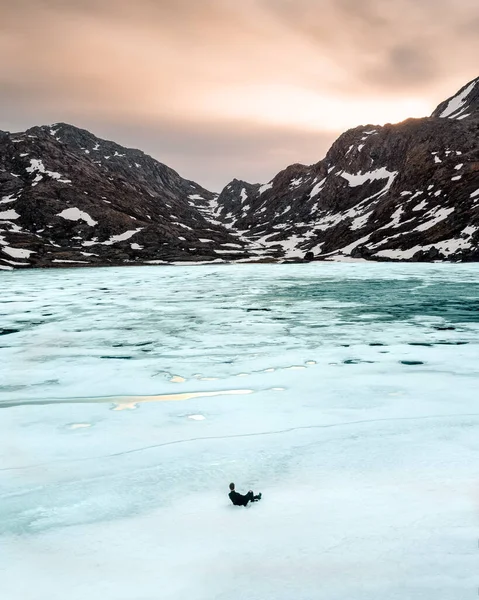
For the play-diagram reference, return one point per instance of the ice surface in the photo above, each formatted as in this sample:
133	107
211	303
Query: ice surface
346	393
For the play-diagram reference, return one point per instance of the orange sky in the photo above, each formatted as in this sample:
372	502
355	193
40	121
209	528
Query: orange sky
219	88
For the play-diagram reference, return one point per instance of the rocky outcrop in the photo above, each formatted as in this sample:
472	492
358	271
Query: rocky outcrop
408	191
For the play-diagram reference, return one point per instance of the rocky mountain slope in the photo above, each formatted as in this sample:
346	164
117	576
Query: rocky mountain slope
68	198
398	192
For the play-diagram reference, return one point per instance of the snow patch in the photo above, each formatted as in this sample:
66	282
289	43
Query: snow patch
9	214
317	188
438	214
265	186
356	179
457	103
37	166
75	214
17	252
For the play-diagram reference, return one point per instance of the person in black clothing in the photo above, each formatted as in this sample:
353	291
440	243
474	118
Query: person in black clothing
239	499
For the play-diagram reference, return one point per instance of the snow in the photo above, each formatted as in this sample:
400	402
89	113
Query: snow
290	246
359	222
317	188
265	187
350	247
205	240
8	199
295	182
9	214
459	166
438	215
356	179
195	197
474	194
457	103
57	260
446	247
420	206
437	159
360	147
17	252
456	178
396	217
75	214
121	237
360	463
37	166
243	195
138	247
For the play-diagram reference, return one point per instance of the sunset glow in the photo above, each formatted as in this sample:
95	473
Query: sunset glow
222	89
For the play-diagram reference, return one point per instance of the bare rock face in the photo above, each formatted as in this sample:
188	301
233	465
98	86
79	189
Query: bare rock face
398	192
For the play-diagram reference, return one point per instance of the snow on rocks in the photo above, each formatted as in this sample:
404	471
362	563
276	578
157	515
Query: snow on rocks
356	179
121	237
266	186
7	215
75	214
438	215
8	199
17	252
37	166
317	188
457	104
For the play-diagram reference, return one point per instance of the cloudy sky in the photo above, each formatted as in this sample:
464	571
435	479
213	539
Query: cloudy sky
219	89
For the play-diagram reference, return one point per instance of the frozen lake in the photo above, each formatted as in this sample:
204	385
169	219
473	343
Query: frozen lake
346	393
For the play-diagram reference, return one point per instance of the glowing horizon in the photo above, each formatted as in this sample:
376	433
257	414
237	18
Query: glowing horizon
221	89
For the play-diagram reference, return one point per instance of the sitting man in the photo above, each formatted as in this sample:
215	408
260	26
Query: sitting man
239	499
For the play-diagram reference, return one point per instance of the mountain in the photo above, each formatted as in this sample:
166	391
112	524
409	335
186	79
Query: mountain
408	191
399	192
68	198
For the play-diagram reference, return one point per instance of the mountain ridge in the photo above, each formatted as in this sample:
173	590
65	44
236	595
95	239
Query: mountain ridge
408	191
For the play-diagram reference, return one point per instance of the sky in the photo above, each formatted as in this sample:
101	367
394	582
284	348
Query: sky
218	89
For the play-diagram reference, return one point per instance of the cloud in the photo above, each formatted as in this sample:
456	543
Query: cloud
268	73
